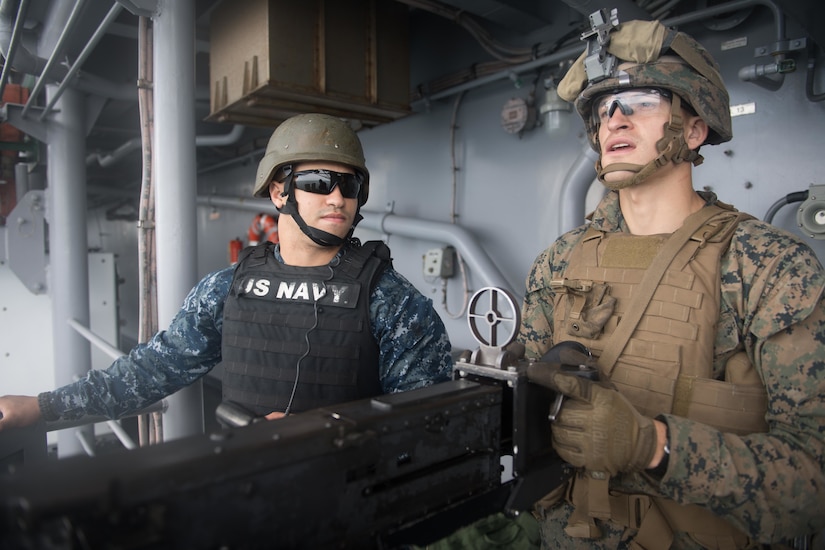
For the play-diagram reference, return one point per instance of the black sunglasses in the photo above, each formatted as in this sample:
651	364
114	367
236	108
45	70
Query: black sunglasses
323	182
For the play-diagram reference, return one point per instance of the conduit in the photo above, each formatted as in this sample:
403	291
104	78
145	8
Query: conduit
448	233
463	241
574	189
134	144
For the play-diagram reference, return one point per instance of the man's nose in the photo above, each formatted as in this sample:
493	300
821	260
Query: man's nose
618	114
335	196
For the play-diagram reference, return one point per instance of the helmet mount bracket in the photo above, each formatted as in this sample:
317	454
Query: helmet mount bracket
598	63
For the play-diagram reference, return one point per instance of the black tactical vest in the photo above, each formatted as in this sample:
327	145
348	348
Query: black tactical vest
311	324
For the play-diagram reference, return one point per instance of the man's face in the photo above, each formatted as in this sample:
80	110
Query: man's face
332	212
630	123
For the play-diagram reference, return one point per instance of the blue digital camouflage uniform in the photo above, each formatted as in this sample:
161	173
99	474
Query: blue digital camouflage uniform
413	343
770	485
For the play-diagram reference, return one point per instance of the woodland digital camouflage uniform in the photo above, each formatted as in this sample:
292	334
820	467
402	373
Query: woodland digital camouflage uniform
414	350
772	306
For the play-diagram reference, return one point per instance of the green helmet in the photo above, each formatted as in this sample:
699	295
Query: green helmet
649	55
308	138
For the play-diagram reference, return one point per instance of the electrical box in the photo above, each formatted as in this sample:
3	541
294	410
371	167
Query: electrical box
271	59
440	262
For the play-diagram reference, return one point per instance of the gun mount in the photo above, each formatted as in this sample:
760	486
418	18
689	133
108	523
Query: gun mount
389	471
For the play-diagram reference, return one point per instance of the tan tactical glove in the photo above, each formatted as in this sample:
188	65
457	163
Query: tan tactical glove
597	428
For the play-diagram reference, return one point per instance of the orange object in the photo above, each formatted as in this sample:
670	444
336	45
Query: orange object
235	247
263	228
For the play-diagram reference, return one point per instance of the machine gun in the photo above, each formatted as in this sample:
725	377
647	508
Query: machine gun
384	472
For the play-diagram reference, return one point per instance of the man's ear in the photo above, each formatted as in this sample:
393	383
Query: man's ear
696	132
275	194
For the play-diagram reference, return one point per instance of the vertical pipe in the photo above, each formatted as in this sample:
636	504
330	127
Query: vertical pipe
176	186
68	263
21	180
574	190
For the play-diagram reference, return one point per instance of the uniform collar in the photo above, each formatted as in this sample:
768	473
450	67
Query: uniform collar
335	261
608	216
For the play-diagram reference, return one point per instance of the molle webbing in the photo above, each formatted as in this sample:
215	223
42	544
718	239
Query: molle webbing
654	303
691	236
301	335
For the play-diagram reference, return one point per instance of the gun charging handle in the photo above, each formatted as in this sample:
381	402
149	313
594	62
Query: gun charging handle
584	371
232	415
569	358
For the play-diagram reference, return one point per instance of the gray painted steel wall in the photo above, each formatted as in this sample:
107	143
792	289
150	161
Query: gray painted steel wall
509	187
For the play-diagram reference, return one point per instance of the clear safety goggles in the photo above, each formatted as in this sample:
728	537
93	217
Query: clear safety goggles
323	182
637	103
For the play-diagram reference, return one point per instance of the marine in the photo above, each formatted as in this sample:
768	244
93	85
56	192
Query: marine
707	427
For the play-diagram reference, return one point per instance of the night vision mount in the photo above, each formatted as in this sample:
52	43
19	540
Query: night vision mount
598	63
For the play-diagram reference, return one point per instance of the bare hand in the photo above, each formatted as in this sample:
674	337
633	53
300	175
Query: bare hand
18	411
274	415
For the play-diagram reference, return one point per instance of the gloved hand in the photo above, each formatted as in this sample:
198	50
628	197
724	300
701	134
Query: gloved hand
598	429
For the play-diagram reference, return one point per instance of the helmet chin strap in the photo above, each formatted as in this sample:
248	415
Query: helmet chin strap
318	236
672	148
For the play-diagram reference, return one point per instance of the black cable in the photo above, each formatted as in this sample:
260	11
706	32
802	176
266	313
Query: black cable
797	196
306	338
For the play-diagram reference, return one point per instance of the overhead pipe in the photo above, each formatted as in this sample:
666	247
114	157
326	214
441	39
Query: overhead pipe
573	51
87	50
24	61
219	140
57	53
108	159
95	85
580	176
464	242
384	222
627	9
134	144
770	76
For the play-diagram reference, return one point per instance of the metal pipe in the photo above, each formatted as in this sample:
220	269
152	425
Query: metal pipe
176	186
627	9
13	41
87	50
251	204
121	434
220	139
21	180
383	222
574	189
573	51
108	159
448	233
233	161
561	55
95	339
134	144
56	54
68	256
713	11
84	440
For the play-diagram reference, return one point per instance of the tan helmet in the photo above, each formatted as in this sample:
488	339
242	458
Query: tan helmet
650	55
308	138
646	54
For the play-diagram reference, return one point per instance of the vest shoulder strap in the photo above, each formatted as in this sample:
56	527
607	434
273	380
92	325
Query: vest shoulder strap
358	256
650	282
